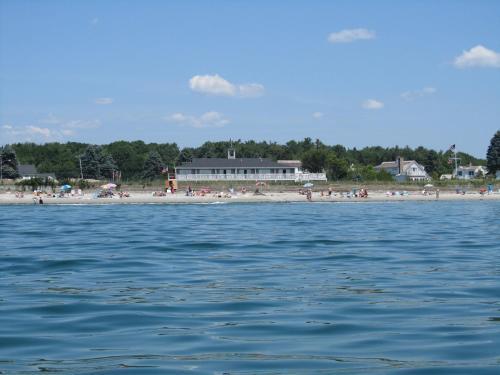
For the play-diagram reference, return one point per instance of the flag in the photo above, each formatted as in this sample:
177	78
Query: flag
452	148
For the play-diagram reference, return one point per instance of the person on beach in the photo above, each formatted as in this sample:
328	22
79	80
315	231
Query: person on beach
437	193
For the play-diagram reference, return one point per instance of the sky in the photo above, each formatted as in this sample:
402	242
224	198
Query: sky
357	73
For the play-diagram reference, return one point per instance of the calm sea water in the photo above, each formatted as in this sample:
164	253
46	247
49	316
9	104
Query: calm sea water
400	288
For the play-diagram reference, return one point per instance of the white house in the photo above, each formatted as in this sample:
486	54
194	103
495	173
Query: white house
404	170
241	169
470	172
27	171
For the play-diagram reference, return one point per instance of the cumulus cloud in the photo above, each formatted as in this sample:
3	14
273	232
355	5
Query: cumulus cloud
478	56
216	85
103	101
372	104
317	115
351	35
210	119
48	129
415	94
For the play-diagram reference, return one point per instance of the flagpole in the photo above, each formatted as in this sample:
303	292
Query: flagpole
456	165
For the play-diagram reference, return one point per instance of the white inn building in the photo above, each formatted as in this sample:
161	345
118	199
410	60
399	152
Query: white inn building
242	169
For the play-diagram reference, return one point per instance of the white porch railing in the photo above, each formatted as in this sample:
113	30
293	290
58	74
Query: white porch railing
253	177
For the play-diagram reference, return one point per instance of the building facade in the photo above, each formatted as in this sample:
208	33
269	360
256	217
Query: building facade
470	172
404	170
241	169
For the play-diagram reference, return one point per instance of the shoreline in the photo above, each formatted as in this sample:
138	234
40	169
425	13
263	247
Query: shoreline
274	197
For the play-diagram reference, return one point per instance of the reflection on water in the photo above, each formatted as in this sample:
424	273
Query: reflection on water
408	288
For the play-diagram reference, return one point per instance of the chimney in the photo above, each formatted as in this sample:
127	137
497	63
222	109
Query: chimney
400	161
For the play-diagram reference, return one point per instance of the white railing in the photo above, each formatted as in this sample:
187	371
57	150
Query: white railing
253	177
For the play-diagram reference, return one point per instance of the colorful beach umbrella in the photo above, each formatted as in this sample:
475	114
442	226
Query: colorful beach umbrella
109	186
308	185
66	187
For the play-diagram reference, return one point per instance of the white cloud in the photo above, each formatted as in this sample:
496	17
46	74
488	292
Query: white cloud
210	119
216	85
317	115
103	101
35	130
351	35
56	130
414	94
478	56
372	104
67	132
81	124
251	90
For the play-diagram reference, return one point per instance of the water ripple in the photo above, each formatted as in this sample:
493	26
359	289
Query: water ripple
251	289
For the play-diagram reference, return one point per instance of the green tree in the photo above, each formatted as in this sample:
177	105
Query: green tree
336	168
91	160
107	166
493	154
8	163
153	166
315	161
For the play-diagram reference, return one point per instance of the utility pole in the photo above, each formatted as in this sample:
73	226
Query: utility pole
81	170
456	160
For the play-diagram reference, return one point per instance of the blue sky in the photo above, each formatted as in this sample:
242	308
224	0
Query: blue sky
357	73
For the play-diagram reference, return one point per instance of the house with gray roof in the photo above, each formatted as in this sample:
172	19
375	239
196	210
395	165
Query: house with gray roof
27	171
404	170
233	168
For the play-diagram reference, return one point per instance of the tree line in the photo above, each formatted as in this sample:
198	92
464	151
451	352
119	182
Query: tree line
137	160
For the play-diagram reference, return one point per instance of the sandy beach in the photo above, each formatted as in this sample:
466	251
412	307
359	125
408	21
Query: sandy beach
275	197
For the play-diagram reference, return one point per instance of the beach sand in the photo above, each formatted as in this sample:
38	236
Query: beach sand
276	197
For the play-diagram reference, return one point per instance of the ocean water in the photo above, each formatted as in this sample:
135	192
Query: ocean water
372	288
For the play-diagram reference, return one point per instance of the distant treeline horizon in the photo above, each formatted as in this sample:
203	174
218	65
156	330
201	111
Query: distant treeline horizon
139	160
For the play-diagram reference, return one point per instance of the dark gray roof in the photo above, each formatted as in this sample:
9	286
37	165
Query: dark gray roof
27	169
230	163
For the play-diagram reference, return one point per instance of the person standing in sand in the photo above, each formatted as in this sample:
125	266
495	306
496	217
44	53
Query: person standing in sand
437	193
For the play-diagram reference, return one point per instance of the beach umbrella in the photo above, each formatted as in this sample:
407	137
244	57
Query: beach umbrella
108	186
66	187
428	186
260	183
308	185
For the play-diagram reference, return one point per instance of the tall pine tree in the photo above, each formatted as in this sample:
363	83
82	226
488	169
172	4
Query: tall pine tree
493	154
153	166
8	163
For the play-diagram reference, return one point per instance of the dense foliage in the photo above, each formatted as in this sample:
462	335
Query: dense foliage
493	154
137	160
8	163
